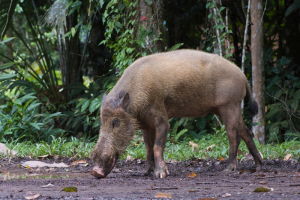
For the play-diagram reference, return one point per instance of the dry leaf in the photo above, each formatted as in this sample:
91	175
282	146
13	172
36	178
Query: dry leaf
193	145
45	156
239	152
47	186
226	195
70	189
194	190
287	157
31	196
192	175
129	158
161	195
79	162
262	189
221	158
262	157
6	151
262	182
209	148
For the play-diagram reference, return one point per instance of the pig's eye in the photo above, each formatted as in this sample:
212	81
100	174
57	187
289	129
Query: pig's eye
115	123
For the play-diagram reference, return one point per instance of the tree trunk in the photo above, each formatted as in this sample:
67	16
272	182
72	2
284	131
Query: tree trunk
70	60
258	68
151	25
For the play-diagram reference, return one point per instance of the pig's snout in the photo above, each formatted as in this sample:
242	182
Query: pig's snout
102	170
98	172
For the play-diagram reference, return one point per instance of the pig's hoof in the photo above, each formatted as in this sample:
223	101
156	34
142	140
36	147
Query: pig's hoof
258	168
229	169
161	173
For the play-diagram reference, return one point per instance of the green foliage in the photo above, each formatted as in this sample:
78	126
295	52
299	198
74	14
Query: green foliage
220	38
283	97
189	128
84	117
72	147
24	118
212	146
30	63
120	20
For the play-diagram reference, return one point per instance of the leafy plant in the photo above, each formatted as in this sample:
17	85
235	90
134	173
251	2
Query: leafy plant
283	95
30	63
24	118
120	20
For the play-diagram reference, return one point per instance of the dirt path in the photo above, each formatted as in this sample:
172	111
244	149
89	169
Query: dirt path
197	179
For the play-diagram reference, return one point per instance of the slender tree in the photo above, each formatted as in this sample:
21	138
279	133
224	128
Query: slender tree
151	25
258	67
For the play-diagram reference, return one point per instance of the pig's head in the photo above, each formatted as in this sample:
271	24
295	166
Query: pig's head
117	129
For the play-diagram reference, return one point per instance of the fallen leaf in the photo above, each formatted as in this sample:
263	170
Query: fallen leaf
192	175
262	182
35	163
129	158
260	175
6	151
31	196
161	195
70	189
287	157
80	162
248	157
47	186
209	148
262	189
193	145
226	195
239	152
221	158
261	155
194	190
45	156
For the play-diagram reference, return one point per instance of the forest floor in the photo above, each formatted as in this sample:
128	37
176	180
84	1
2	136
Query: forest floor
194	179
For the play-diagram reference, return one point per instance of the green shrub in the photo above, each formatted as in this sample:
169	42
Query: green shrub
25	118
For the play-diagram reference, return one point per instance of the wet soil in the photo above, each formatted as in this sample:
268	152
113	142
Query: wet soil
195	179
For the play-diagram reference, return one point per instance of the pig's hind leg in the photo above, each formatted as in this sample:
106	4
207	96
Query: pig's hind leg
247	136
230	116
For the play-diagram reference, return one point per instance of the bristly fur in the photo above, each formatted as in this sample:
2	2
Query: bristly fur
123	140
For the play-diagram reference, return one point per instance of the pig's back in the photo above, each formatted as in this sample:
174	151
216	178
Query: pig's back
185	82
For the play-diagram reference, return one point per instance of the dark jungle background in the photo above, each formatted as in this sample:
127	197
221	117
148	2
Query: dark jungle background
57	59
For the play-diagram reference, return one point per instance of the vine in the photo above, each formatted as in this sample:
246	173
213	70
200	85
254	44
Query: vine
221	41
120	18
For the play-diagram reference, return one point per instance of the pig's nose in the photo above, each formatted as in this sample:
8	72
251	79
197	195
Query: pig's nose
98	172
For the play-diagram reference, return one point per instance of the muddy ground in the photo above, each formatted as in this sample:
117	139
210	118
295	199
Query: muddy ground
196	179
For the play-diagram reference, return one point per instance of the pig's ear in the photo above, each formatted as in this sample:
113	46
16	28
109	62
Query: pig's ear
124	99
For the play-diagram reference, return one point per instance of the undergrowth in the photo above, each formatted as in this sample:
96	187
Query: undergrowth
209	146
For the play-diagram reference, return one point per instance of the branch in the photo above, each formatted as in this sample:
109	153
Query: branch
11	10
245	36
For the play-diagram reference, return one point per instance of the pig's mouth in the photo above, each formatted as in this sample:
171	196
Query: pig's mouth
103	171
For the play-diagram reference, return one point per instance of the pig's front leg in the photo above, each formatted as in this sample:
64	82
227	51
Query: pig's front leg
149	136
161	129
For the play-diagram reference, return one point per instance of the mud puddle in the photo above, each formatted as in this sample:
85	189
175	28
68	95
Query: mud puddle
195	179
5	176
